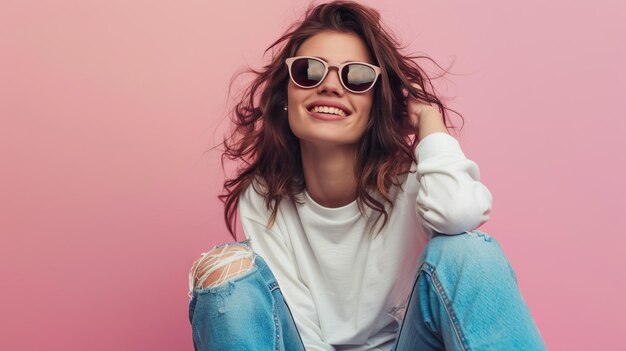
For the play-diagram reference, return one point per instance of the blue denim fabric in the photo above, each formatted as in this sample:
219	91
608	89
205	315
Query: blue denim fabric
248	312
465	297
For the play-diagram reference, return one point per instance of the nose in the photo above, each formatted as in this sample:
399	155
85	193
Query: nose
331	84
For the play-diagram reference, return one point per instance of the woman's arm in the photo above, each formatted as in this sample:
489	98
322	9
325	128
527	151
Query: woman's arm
430	123
450	199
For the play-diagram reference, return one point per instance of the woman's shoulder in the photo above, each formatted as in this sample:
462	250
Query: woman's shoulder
252	202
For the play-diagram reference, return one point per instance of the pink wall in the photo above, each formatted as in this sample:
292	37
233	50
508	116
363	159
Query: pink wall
106	196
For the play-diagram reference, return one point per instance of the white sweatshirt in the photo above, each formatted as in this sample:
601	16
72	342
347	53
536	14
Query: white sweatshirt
346	290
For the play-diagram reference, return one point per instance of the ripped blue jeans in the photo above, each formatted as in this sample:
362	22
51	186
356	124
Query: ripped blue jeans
465	297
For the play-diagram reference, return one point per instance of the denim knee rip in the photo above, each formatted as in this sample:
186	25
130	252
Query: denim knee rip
225	255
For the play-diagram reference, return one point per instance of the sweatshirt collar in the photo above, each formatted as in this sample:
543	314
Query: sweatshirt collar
337	213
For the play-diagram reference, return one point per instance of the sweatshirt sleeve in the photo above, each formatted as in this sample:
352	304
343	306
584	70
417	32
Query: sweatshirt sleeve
271	246
450	199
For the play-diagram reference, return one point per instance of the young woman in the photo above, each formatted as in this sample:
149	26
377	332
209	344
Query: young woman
359	210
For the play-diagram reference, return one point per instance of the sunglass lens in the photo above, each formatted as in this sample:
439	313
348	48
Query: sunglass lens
307	72
358	77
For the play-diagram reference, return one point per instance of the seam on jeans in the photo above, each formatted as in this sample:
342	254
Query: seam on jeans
272	286
419	271
276	324
448	307
196	338
263	282
293	321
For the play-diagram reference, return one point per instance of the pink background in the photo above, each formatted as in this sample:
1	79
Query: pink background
107	194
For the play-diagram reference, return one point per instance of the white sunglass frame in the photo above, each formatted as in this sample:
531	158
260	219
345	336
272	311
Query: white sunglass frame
327	67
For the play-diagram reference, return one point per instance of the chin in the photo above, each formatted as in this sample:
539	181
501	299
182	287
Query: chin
326	140
313	131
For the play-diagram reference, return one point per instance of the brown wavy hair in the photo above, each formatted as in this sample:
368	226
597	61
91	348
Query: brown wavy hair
266	148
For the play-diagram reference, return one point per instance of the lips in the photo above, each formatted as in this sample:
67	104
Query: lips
326	116
329	103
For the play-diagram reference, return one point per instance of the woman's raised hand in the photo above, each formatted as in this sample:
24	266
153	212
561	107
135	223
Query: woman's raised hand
419	111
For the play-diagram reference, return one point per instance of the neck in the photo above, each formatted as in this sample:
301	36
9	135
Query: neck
329	173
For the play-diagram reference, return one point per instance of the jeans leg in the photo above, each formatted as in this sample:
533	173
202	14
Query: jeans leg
247	312
466	297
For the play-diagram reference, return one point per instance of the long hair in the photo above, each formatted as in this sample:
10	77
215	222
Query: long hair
268	151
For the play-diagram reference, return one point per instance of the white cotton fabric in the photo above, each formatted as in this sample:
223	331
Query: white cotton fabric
345	289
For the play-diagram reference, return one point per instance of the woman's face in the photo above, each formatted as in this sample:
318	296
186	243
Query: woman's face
334	48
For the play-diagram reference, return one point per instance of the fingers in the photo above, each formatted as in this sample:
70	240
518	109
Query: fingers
405	91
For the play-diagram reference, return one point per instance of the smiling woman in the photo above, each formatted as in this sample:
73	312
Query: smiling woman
321	132
339	131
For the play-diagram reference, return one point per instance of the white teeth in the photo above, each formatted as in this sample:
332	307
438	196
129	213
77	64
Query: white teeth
328	109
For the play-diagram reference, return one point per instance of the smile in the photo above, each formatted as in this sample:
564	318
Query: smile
317	112
329	110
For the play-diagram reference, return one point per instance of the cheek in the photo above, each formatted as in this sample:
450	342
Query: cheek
364	104
294	95
293	105
365	109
